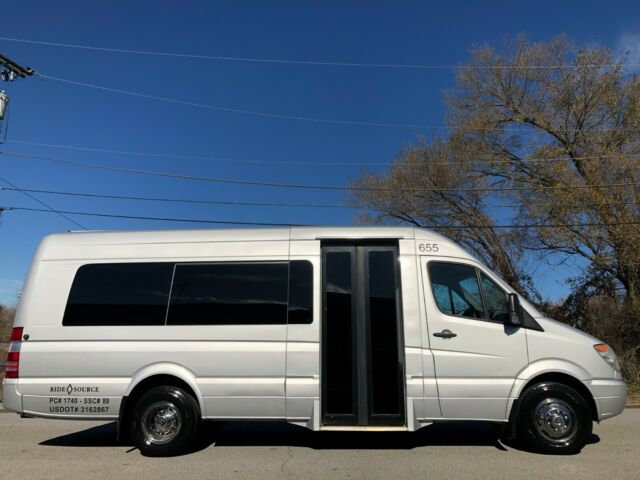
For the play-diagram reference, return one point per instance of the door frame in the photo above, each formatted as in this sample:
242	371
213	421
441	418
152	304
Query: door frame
460	400
361	340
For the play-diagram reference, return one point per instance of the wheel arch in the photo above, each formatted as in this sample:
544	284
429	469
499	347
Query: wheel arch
156	375
554	376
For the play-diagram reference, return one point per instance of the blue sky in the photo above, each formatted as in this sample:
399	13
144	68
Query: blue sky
44	111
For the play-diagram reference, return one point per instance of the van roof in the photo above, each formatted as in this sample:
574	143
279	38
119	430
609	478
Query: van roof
57	246
239	234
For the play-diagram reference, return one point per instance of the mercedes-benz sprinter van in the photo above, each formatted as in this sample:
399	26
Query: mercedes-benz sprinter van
382	328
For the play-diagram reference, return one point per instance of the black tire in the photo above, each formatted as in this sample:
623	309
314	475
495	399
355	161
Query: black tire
553	419
164	422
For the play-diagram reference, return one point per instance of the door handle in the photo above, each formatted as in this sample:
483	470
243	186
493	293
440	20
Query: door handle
445	334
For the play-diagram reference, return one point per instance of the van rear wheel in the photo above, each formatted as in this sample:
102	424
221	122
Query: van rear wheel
554	419
164	421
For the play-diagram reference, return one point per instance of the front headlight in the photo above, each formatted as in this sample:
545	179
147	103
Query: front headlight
608	355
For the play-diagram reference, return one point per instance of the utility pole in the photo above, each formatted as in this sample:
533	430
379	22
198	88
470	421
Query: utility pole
9	72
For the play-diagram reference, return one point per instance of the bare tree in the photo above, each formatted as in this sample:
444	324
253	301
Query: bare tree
569	139
428	185
558	129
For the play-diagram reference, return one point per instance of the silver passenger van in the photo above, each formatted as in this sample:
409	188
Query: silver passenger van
367	328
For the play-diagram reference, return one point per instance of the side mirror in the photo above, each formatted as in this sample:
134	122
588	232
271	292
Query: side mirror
516	316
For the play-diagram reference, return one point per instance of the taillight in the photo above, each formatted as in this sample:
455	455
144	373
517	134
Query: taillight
13	364
16	334
13	357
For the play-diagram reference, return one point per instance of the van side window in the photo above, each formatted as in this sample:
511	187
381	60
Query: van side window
300	292
495	300
456	290
119	294
264	293
229	294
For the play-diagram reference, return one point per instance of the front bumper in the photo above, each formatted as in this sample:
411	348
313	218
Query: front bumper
610	397
11	399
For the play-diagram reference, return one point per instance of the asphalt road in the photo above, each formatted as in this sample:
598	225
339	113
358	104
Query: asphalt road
52	449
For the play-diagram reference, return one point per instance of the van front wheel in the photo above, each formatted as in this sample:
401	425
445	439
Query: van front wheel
164	421
553	418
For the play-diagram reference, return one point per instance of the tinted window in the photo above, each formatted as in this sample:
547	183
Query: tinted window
119	294
229	293
383	332
455	289
495	300
300	292
338	332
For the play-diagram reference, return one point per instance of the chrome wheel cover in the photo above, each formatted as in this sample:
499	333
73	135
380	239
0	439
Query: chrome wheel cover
555	420
161	423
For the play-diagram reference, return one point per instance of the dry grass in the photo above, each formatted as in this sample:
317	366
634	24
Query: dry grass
4	347
6	322
633	395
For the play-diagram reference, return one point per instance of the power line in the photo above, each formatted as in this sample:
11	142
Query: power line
315	62
50	208
306	186
196	157
178	200
233	110
268	204
312	164
224	222
299	117
163	219
541	225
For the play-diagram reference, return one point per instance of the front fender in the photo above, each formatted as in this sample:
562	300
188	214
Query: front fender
540	367
547	365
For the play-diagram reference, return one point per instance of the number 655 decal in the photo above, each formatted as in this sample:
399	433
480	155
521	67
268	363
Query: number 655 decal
427	247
